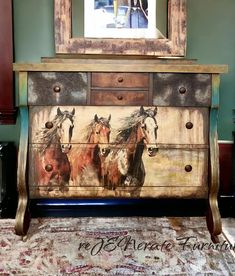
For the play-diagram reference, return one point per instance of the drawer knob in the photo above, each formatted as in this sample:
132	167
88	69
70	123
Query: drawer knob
120	79
182	90
56	88
189	125
120	97
49	125
48	167
188	168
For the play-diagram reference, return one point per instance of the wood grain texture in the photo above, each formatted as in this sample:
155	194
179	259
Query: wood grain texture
120	97
213	216
175	45
125	67
22	215
62	21
57	88
171	122
67	58
182	89
120	80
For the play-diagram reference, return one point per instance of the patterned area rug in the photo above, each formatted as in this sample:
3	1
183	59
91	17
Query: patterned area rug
114	246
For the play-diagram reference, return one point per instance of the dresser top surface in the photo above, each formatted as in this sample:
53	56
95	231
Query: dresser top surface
114	65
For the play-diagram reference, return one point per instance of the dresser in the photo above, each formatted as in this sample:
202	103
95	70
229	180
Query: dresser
118	128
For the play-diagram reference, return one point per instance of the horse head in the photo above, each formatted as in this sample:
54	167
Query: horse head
101	134
65	129
147	131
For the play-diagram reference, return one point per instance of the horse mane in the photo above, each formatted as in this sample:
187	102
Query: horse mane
49	135
89	128
130	122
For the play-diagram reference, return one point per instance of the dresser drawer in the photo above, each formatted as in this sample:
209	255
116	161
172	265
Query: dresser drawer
54	88
120	97
120	80
181	89
175	125
170	173
177	168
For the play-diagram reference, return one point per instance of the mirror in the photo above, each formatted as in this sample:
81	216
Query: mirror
121	27
145	18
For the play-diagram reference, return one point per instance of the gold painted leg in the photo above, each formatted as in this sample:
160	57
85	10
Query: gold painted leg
22	222
214	224
213	214
22	219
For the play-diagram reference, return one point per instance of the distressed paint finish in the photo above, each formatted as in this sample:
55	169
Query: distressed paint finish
23	88
179	168
120	97
213	216
120	80
182	89
55	88
171	122
99	192
22	215
110	65
166	171
175	45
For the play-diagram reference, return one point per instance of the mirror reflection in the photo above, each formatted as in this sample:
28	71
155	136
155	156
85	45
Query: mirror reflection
119	18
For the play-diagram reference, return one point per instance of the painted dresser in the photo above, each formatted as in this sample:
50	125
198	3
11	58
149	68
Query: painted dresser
108	128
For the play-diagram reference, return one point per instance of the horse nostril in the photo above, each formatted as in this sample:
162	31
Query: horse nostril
150	149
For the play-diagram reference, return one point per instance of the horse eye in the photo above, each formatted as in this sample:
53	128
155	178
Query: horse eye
143	126
97	132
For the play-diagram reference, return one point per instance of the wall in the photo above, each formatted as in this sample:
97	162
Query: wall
211	39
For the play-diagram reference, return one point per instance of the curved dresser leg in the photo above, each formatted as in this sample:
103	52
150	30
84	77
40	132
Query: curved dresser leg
22	215
213	214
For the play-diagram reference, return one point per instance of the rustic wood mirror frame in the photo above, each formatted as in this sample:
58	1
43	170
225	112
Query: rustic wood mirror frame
173	46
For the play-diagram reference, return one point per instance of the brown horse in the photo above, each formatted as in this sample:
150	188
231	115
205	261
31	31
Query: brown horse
87	158
52	164
124	165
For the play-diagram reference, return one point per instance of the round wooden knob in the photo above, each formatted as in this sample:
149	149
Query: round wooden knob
188	168
120	97
182	90
120	79
48	167
189	125
49	125
56	88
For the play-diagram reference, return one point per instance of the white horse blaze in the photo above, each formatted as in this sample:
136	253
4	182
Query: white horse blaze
64	133
151	132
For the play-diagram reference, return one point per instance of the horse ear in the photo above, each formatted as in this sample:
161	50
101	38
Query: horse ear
155	111
73	111
96	118
141	110
109	118
59	111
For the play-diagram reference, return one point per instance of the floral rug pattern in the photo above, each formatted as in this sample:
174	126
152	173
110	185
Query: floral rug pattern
114	246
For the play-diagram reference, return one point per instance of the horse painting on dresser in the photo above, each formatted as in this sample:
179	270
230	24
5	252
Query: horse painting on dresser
52	165
123	167
87	158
